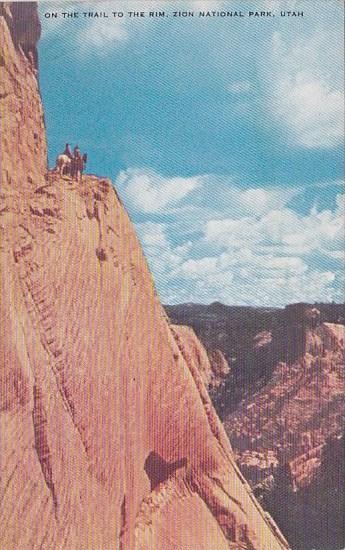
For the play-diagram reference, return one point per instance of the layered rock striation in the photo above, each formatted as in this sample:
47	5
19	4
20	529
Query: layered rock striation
289	436
283	408
212	365
108	438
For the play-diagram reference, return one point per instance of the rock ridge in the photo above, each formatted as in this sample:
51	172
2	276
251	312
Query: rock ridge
109	439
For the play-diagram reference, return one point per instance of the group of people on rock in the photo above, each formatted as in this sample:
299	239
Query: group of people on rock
71	164
76	151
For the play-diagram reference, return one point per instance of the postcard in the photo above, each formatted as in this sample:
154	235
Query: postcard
172	371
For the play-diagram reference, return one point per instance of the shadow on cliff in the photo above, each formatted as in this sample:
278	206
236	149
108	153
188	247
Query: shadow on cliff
158	470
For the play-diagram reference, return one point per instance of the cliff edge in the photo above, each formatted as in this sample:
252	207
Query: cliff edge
108	440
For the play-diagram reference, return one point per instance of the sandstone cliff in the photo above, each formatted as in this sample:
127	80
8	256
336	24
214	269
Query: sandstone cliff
212	366
108	438
284	410
289	440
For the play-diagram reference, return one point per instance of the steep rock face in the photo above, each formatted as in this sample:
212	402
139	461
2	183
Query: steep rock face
287	430
241	334
23	142
109	440
282	437
212	366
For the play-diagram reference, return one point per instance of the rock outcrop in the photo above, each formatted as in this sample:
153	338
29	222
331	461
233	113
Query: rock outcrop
212	366
284	410
284	434
108	438
242	335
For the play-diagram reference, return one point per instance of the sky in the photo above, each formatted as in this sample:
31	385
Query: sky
222	135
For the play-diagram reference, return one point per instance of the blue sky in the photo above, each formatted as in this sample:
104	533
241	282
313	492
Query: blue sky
222	135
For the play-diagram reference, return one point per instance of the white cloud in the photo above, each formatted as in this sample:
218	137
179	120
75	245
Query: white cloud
147	191
193	268
284	231
204	217
312	110
101	34
269	255
153	235
256	281
304	89
97	34
164	258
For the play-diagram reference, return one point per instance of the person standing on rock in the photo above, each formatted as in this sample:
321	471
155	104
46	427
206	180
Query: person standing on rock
68	151
76	152
77	163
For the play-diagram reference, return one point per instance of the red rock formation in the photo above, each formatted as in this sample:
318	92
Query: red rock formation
212	366
302	405
108	438
282	435
220	367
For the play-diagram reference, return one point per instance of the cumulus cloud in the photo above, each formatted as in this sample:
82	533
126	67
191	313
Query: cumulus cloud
148	192
207	195
251	246
304	90
266	259
284	231
101	37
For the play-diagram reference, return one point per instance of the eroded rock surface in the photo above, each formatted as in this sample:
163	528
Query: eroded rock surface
284	410
212	365
108	438
289	438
